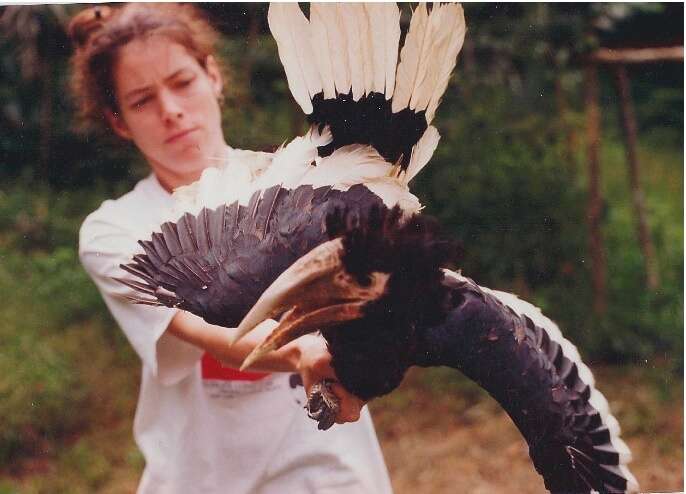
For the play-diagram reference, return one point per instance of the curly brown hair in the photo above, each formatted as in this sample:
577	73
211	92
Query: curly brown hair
98	33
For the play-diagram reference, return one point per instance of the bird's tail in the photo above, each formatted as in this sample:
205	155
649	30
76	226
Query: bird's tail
346	71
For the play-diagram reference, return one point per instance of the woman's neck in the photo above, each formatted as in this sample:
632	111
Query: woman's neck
170	178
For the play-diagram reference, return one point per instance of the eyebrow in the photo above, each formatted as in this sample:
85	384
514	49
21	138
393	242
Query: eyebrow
138	91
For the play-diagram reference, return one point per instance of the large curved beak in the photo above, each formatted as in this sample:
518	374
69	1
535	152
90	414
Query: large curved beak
314	293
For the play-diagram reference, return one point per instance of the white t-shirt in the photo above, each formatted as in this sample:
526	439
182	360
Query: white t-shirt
203	428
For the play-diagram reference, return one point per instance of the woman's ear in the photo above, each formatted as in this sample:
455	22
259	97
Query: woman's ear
215	75
118	125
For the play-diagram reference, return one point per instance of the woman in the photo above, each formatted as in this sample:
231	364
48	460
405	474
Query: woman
149	74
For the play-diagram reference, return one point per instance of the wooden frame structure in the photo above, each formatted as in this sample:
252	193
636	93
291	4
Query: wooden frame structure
617	60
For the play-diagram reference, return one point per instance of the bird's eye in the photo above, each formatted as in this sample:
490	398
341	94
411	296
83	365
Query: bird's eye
363	279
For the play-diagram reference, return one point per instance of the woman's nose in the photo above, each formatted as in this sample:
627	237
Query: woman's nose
170	108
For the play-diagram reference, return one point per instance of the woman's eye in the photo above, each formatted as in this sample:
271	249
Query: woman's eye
141	102
185	82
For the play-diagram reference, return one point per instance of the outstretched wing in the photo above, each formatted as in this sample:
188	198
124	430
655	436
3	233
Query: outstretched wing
217	263
207	264
520	357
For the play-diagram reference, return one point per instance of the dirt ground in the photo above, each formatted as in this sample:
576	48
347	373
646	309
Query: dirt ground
439	433
467	444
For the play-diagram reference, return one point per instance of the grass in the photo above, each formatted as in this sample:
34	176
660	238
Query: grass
94	451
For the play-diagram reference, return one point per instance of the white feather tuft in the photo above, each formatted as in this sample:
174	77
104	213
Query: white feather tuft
393	193
292	162
422	152
223	184
361	164
355	163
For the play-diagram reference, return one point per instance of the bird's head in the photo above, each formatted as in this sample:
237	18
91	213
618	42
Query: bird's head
369	290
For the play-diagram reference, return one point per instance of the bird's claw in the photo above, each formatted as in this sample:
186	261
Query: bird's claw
322	404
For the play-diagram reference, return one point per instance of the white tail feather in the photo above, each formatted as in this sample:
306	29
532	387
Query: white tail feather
383	20
409	59
422	152
391	27
338	45
434	56
376	23
291	31
320	48
429	57
354	47
454	15
366	46
349	13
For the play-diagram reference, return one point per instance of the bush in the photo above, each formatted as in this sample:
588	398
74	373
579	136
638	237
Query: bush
53	324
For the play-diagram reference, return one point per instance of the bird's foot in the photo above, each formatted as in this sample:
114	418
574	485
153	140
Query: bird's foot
322	404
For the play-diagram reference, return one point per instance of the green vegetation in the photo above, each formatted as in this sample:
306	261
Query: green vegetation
505	182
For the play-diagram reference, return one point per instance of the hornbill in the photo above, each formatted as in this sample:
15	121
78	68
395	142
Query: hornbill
372	280
327	238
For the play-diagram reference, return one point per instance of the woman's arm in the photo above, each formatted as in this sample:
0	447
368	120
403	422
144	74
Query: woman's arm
307	355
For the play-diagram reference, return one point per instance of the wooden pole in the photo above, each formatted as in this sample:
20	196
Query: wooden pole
565	130
640	55
627	119
45	121
595	200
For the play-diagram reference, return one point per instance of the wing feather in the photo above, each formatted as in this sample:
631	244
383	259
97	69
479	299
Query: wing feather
580	431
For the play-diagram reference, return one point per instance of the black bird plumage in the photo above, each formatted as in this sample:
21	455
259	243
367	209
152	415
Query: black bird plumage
218	263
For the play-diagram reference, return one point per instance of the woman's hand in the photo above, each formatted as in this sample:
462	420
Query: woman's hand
314	365
307	355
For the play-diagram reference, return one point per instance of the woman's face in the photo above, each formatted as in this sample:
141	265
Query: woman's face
169	108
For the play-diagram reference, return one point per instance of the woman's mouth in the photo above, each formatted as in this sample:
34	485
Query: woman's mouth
179	135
